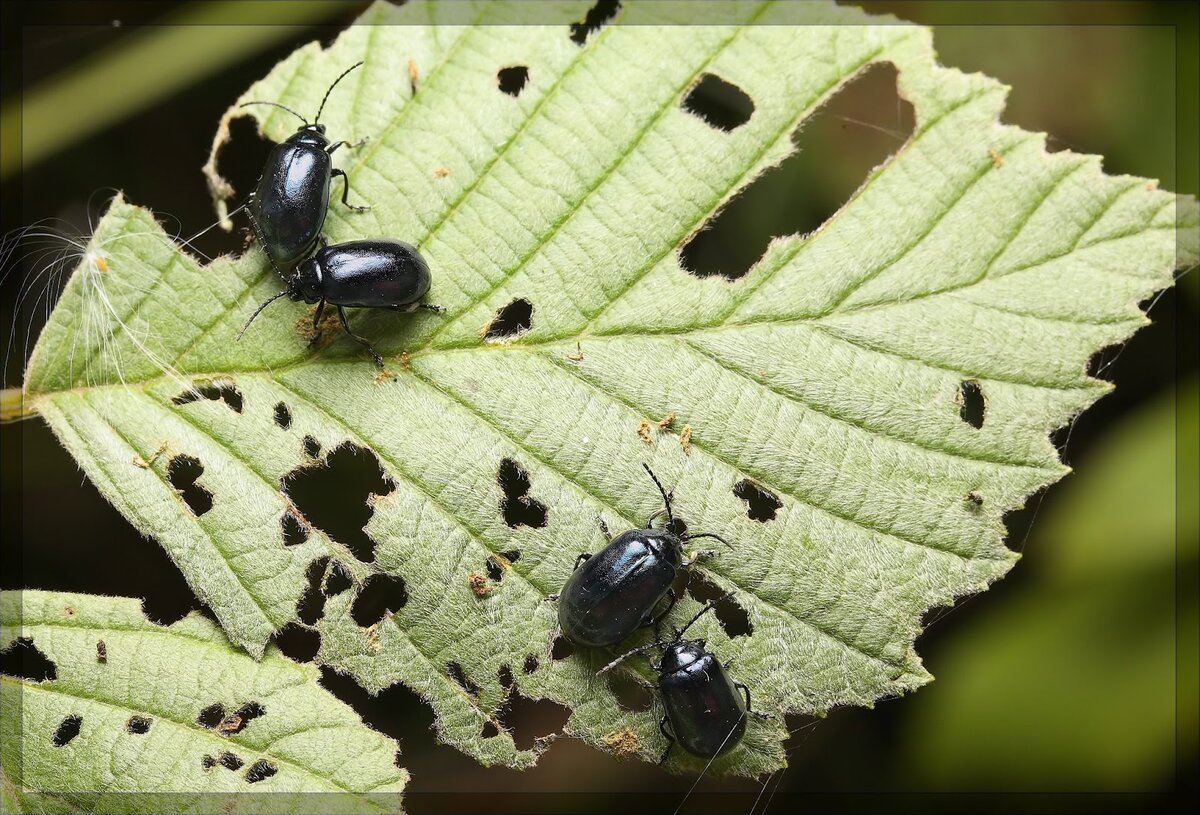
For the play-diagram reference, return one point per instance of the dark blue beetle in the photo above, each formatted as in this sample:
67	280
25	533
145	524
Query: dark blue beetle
288	206
612	593
705	708
359	274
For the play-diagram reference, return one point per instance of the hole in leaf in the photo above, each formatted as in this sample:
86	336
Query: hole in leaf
212	391
512	79
761	503
208	762
68	729
260	770
972	406
720	104
283	416
512	555
311	605
530	665
837	147
101	652
240	160
629	693
294	532
24	660
236	722
529	720
312	447
561	648
495	570
489	731
298	643
516	505
182	472
338	579
505	675
733	618
336	497
510	321
138	725
594	20
381	594
231	761
211	716
460	678
166	602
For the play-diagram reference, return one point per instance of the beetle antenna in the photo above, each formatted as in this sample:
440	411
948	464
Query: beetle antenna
707	535
628	654
666	496
707	608
258	311
277	105
331	87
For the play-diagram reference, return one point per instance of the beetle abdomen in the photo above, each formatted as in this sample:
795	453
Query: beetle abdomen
611	593
372	274
291	200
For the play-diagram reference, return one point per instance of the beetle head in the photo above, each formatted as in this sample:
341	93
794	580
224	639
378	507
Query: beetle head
681	654
305	283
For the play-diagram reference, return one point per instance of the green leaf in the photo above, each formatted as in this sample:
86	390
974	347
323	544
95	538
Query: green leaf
831	375
126	709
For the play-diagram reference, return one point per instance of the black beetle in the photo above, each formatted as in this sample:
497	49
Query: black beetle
287	208
359	274
706	709
611	594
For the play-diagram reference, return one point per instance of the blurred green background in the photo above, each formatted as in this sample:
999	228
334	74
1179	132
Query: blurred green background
1077	673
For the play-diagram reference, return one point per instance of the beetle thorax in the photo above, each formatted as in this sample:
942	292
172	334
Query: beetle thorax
665	544
310	134
682	654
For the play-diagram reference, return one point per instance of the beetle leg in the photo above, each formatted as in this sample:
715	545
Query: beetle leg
329	150
662	728
604	527
706	554
579	560
656	620
749	709
364	342
317	316
346	190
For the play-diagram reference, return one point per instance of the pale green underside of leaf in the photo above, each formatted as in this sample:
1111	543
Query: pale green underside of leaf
830	374
167	675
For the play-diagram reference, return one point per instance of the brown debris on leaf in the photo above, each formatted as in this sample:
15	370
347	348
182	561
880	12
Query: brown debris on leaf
440	172
643	431
479	584
577	356
685	439
997	159
666	421
230	724
623	743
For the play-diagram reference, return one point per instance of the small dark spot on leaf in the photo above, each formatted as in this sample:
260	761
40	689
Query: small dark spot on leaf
298	643
260	770
230	761
460	678
974	498
182	472
594	20
311	605
490	731
512	555
494	569
68	729
24	660
138	725
212	391
207	762
294	532
629	693
530	665
381	595
101	652
312	447
971	403
720	104
211	716
516	505
733	617
283	416
510	321
338	580
761	503
561	648
512	79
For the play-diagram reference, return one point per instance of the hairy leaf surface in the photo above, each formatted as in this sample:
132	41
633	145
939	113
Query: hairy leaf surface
887	383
